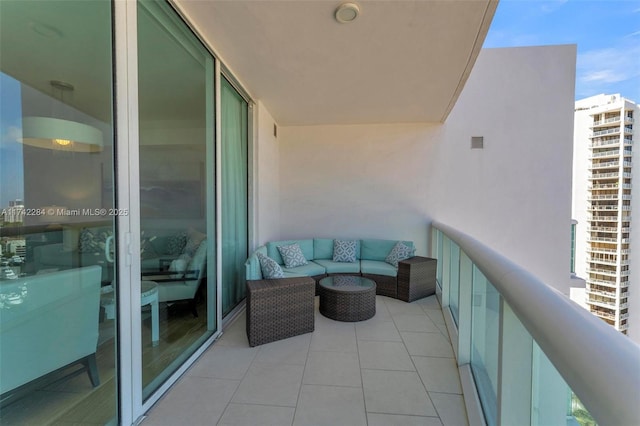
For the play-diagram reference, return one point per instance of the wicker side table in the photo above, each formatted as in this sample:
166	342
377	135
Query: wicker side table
416	278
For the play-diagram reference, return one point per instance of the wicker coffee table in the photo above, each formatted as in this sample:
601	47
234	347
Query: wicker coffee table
347	298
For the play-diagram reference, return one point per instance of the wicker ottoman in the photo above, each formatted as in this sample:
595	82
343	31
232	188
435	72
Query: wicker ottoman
279	308
416	278
347	298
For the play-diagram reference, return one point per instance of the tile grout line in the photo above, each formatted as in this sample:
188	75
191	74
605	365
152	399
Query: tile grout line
243	376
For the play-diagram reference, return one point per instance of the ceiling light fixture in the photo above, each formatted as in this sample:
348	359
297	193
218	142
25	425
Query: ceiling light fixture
60	134
347	12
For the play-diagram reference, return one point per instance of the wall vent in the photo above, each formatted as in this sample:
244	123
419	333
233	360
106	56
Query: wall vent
477	142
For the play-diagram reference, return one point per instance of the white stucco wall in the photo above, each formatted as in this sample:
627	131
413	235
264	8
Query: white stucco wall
266	161
515	194
390	180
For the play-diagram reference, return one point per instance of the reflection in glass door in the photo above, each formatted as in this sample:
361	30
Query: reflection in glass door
176	93
57	298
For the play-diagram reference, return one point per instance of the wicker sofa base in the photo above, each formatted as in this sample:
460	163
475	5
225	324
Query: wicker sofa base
385	285
279	308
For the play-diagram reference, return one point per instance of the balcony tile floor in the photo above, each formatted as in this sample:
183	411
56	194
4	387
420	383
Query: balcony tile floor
397	368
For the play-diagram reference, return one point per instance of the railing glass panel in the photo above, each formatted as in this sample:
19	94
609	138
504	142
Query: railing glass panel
485	325
454	280
515	380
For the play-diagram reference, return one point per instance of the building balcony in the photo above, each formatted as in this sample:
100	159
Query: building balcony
628	120
612	283
601	303
602	293
597	239
602	142
605	132
602	271
611	229
605	154
606	121
610	175
606	250
609	186
623	327
605	165
601	261
605	315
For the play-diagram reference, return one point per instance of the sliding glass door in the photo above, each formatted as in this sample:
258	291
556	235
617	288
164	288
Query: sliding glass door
177	211
57	229
234	195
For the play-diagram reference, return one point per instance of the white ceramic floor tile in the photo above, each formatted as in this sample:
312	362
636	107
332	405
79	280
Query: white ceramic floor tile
330	406
333	338
430	302
377	330
287	351
419	323
427	344
201	400
443	330
332	368
224	362
270	384
236	334
384	356
435	315
450	408
252	415
438	374
376	419
399	307
396	392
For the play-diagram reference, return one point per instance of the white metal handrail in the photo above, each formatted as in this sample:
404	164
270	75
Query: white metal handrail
598	363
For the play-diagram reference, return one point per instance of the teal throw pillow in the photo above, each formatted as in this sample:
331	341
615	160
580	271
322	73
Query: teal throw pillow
269	267
399	252
292	255
344	251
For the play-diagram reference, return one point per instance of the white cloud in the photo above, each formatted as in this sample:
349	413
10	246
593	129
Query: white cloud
552	6
12	134
601	67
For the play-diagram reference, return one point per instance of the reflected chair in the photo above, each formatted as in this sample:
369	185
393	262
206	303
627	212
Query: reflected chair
175	286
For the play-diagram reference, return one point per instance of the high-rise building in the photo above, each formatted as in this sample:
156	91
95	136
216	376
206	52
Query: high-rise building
603	140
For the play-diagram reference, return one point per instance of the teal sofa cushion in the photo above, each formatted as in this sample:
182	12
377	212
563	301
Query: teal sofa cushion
305	245
339	267
322	248
378	249
377	267
310	269
252	265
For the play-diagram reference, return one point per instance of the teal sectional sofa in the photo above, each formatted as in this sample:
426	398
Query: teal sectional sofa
370	261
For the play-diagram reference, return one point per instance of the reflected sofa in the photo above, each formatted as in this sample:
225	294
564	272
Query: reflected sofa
48	322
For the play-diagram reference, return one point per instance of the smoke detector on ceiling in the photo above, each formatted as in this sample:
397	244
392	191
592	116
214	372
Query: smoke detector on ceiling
347	12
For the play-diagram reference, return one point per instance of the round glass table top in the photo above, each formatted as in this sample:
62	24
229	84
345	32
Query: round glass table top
347	283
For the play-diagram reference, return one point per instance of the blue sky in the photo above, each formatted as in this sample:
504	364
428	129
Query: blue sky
607	33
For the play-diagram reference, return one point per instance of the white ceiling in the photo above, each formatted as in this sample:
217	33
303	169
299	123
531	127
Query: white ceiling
400	61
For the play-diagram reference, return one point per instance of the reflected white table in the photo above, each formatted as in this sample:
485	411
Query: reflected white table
148	296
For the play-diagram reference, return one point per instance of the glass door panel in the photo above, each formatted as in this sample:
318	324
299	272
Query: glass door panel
57	301
234	196
176	119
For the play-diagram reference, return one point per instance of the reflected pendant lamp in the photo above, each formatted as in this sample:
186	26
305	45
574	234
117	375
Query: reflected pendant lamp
58	134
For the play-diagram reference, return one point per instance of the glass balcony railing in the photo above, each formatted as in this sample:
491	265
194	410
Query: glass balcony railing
526	353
